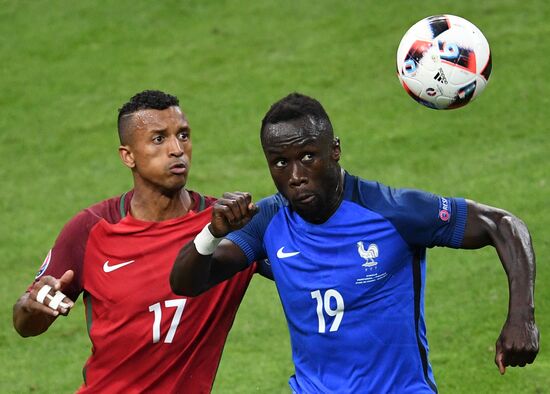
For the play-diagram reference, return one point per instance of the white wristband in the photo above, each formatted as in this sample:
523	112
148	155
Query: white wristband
205	242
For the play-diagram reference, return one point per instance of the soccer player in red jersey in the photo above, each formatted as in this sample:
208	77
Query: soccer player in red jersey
119	253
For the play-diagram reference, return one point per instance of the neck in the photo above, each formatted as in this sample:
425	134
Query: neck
333	204
338	193
155	205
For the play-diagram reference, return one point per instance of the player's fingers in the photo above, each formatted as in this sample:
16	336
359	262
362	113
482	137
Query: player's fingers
499	361
46	295
34	305
65	279
42	287
239	202
234	212
64	310
45	280
253	209
223	211
45	309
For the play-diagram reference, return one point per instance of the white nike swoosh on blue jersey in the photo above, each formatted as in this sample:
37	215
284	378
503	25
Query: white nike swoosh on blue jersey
110	268
284	255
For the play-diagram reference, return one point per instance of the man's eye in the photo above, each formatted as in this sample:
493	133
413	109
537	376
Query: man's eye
280	163
307	157
158	139
183	136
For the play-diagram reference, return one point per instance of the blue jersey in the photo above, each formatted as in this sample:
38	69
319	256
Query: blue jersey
352	288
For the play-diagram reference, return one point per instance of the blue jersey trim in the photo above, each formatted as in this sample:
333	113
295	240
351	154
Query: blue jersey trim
461	215
417	285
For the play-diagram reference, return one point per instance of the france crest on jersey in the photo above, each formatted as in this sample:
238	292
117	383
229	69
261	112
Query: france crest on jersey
352	287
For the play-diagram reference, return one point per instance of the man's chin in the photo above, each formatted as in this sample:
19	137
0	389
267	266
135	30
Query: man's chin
174	188
310	212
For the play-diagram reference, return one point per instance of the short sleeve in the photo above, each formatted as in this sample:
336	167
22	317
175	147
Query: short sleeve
423	219
68	252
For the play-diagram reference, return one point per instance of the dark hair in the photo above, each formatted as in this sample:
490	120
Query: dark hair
148	99
296	106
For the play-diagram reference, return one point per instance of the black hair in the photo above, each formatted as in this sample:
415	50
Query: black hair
297	106
148	99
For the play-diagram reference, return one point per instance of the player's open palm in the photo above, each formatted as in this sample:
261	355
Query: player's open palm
517	345
46	295
232	212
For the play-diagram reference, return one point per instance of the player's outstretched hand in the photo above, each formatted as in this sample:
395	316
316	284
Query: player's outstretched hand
517	345
46	295
231	212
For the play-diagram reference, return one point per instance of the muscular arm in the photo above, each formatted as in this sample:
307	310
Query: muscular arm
517	344
194	273
31	318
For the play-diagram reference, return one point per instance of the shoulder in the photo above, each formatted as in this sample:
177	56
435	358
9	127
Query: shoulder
112	209
201	201
420	217
386	200
268	207
80	224
275	201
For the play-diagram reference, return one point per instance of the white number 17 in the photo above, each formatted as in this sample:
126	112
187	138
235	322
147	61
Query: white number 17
179	304
337	313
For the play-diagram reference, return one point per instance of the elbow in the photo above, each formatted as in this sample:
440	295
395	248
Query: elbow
190	292
186	291
513	227
182	288
175	286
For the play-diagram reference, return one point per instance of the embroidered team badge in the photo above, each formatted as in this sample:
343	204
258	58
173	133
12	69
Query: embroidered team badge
369	255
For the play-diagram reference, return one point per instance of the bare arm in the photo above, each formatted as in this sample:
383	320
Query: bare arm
31	317
518	342
194	273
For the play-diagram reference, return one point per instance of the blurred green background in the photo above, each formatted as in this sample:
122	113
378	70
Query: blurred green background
68	66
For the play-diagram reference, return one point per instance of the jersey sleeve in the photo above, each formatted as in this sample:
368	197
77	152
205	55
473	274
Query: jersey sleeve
250	238
68	251
422	218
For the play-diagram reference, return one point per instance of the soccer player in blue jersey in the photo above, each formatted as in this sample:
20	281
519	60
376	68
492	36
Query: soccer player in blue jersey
349	260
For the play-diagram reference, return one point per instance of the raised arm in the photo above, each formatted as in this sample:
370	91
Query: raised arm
209	260
518	343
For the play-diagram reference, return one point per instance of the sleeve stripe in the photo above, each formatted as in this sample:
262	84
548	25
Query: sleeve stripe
461	214
247	250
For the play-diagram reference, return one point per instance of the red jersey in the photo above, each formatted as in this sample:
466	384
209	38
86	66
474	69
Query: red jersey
144	337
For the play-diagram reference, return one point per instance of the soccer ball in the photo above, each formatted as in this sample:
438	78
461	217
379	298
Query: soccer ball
444	62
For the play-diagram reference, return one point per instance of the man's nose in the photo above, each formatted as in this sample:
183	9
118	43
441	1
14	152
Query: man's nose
297	176
176	147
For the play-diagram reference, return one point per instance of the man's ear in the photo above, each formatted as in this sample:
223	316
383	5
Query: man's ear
336	149
126	155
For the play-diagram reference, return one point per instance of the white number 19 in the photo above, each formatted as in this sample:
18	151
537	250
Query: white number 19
337	313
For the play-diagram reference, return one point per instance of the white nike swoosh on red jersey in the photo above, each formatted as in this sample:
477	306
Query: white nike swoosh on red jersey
110	268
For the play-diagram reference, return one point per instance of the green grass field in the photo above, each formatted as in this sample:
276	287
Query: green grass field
68	66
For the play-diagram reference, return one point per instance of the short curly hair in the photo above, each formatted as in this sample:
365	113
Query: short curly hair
147	99
296	106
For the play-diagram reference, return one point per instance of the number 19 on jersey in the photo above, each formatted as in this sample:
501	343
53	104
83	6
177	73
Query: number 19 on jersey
324	306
